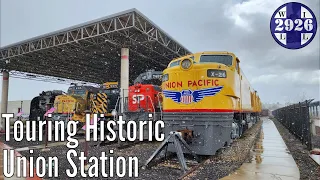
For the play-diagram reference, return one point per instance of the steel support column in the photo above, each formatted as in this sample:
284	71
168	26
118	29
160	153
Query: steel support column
124	79
4	97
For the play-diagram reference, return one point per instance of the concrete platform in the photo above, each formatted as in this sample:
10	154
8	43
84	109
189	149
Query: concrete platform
270	158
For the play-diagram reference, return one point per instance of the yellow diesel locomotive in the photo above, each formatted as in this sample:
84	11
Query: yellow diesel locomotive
208	99
80	98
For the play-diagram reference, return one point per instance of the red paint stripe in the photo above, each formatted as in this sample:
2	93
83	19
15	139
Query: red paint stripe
124	57
5	78
205	110
198	110
66	113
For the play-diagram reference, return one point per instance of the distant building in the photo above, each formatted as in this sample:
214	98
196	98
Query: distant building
15	107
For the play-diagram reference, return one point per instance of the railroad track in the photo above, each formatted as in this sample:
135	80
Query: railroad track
193	168
172	161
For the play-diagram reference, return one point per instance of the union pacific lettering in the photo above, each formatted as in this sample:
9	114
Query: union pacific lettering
67	100
192	83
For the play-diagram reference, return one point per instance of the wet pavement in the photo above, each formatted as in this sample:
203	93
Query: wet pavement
270	158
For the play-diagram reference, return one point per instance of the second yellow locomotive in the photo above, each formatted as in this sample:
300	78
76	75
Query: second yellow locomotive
80	98
208	99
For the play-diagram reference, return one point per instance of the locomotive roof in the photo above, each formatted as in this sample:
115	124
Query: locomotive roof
206	52
83	87
148	75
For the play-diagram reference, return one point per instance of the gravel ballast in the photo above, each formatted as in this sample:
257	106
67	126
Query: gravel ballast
230	158
215	167
316	141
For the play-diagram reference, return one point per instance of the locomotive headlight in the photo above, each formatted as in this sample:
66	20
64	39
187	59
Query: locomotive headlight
186	64
216	73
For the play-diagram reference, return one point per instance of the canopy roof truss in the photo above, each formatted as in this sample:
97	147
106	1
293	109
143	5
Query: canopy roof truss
90	52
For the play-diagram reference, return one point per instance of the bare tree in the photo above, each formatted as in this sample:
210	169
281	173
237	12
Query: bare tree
302	97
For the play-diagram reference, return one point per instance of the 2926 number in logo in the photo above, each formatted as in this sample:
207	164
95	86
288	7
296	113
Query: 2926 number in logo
297	25
293	25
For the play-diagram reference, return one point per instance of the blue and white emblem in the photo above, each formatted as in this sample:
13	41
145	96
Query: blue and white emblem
189	96
293	25
186	97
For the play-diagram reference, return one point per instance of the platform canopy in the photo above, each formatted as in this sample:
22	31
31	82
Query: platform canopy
316	103
90	52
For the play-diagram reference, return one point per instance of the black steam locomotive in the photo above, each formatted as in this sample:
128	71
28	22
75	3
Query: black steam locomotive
38	106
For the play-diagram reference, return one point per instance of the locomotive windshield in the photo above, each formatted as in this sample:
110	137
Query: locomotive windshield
110	91
175	63
149	77
157	82
77	90
80	92
223	59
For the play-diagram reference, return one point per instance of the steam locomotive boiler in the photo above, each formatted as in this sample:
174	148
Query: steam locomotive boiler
38	105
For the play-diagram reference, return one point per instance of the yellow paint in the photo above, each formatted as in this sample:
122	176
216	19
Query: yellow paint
67	104
76	105
236	94
109	85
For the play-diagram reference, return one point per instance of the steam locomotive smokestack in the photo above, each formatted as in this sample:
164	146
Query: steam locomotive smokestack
124	77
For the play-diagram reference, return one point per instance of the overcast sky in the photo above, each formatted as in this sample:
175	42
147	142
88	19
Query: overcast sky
242	27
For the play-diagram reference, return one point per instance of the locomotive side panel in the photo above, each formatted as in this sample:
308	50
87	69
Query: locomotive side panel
257	106
237	88
255	99
245	94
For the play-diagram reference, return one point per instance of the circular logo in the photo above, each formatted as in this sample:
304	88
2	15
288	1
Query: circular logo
293	25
